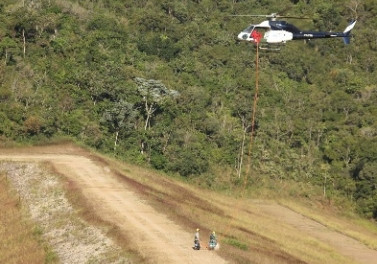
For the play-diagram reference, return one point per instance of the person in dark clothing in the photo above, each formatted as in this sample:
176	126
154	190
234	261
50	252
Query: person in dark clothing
212	240
197	240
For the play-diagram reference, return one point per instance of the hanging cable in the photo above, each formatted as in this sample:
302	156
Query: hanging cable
254	110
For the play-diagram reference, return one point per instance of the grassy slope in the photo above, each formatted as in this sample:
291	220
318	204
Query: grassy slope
353	226
245	233
19	238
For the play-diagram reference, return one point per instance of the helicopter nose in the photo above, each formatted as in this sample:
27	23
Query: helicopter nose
243	36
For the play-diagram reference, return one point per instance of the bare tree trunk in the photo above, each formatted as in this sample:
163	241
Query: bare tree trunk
6	56
150	110
241	154
24	40
349	58
245	127
353	6
147	121
116	140
167	138
142	145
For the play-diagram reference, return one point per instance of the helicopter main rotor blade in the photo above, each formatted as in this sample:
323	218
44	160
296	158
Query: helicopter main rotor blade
295	17
272	16
248	15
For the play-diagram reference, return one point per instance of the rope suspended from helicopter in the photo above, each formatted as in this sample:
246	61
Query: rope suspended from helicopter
254	110
226	231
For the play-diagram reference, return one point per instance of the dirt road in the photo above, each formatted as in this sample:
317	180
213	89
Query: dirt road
155	236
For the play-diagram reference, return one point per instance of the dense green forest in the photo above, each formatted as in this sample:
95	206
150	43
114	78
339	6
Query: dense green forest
165	83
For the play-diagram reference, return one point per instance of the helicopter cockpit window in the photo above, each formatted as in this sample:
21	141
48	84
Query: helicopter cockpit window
249	29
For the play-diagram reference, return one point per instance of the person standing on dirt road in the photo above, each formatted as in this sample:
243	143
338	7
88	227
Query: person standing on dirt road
212	240
197	240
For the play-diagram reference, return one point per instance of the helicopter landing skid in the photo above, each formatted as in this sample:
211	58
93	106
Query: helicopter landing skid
271	47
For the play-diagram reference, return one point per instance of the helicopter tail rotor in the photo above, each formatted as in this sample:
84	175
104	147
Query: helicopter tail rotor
347	32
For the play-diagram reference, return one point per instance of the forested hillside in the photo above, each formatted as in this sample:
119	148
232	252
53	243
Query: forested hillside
165	83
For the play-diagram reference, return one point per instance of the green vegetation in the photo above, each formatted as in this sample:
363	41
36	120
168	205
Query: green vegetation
166	84
234	242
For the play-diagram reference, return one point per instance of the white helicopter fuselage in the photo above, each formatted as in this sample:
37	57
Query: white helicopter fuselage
277	36
270	36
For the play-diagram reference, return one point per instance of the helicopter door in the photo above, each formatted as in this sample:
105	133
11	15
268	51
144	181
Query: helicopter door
258	34
278	36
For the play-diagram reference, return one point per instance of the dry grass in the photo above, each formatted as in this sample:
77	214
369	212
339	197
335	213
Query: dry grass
18	237
360	229
246	235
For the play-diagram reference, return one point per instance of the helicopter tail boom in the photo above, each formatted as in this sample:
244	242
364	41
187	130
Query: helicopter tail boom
346	34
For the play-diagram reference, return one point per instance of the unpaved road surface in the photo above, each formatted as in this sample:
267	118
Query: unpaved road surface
155	236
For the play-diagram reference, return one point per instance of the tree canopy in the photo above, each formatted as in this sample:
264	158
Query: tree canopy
166	84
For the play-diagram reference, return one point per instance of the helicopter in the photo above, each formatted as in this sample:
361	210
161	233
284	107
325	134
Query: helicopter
274	33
